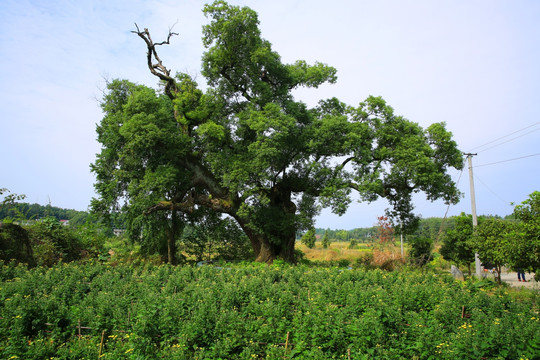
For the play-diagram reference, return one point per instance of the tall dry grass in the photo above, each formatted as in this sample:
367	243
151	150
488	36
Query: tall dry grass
335	252
386	256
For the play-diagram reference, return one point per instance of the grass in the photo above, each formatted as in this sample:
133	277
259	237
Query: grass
335	252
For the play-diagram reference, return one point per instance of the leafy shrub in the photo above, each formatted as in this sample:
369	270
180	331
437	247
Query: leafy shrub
53	242
15	244
365	260
420	253
309	238
251	311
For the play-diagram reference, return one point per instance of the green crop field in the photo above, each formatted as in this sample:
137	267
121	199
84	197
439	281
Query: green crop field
258	312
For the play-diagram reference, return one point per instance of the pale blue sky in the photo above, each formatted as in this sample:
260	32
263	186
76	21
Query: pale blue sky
472	64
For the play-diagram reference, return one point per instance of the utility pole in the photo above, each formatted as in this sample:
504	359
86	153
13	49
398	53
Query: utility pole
473	209
401	235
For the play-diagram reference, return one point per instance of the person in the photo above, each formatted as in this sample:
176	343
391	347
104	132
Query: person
521	275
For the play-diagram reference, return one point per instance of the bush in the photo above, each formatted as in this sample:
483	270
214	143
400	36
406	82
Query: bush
365	260
53	242
15	244
420	253
250	311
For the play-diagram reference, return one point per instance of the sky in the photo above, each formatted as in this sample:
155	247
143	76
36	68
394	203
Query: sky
473	64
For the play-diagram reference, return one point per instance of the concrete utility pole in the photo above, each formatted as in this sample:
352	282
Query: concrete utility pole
401	235
473	209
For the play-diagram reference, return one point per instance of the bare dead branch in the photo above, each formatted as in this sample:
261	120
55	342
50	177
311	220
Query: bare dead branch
153	60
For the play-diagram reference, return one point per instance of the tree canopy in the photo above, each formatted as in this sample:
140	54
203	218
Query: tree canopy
245	147
492	242
456	245
525	249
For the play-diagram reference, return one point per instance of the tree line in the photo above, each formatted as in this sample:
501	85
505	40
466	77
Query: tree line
513	241
27	211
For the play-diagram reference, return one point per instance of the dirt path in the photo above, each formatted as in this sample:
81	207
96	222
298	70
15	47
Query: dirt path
512	279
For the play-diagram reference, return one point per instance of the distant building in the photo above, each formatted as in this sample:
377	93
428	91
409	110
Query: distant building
64	222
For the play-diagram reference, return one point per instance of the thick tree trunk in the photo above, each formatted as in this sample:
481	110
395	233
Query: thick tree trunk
266	250
270	252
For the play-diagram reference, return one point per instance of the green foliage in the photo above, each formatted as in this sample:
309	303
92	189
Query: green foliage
525	248
15	244
325	240
8	206
246	148
10	199
431	227
244	312
53	242
456	242
492	242
309	239
92	239
420	253
21	211
213	238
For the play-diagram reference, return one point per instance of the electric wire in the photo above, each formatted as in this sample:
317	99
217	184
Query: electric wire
503	161
505	136
507	141
491	191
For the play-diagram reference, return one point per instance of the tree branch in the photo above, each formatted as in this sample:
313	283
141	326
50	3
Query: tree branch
153	60
236	87
188	205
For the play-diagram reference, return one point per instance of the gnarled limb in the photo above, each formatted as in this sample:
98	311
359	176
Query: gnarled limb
188	204
154	62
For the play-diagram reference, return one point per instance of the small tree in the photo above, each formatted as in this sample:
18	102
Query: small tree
385	231
524	252
325	240
309	239
420	253
456	242
492	242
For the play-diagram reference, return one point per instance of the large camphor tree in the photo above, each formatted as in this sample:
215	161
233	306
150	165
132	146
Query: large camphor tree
246	148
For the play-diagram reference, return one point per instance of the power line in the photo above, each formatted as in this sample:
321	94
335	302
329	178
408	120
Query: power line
512	139
505	136
502	161
493	192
